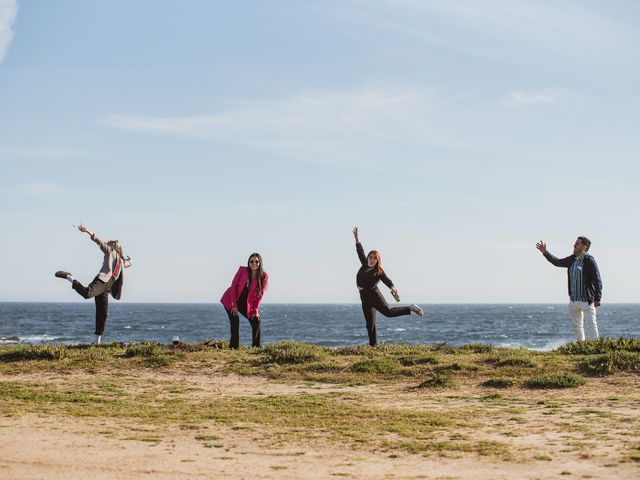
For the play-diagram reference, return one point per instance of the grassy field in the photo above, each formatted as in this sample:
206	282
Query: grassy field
394	399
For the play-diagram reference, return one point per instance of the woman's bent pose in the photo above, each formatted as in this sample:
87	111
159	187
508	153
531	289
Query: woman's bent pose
244	296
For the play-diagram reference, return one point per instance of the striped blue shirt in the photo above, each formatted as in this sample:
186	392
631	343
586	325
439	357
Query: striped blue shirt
576	279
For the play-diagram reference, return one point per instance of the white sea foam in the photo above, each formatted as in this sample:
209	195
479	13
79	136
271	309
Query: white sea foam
44	338
8	340
551	345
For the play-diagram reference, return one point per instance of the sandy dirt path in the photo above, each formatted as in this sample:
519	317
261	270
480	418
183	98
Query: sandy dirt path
44	446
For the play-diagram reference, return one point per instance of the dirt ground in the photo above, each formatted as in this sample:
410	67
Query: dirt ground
605	442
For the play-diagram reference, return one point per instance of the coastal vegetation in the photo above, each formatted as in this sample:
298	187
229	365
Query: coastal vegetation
416	399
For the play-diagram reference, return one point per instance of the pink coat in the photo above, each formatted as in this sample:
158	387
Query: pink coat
232	293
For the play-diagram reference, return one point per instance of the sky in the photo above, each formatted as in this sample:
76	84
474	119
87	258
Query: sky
454	134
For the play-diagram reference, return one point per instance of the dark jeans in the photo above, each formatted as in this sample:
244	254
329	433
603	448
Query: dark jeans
234	322
98	290
372	301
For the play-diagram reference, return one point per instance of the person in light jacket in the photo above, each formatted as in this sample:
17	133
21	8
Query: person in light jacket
244	296
109	280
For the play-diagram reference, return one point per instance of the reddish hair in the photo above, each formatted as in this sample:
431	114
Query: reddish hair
376	254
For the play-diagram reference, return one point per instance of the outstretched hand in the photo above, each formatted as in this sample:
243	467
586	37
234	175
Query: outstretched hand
355	234
84	229
542	247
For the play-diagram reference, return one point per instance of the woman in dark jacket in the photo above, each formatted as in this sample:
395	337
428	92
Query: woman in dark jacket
369	274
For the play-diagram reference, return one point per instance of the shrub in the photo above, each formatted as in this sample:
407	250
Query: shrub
516	362
600	346
555	380
478	348
289	352
34	352
380	366
145	349
438	381
216	344
611	362
444	347
355	350
409	361
499	382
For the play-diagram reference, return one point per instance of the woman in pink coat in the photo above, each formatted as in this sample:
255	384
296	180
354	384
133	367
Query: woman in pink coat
244	296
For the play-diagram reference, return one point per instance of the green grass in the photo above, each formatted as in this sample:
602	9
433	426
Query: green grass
118	388
438	380
600	346
612	362
22	353
288	352
499	382
379	366
555	381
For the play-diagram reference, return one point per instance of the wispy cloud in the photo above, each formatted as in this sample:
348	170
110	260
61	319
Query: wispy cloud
339	128
524	99
390	128
501	28
8	13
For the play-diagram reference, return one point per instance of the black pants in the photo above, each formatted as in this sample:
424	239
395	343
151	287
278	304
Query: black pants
372	301
98	290
234	323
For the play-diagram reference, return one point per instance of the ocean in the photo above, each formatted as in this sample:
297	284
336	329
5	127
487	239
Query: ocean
539	326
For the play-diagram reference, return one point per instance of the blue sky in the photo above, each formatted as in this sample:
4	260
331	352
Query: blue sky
454	134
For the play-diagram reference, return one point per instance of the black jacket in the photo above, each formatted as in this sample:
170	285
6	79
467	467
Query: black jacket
367	278
592	280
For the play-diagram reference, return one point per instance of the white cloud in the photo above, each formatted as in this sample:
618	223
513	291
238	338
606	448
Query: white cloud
8	12
384	128
504	28
524	99
337	128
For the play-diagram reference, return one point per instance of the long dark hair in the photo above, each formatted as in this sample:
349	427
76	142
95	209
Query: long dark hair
259	273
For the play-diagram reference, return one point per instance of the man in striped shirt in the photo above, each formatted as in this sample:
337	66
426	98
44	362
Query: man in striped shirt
585	285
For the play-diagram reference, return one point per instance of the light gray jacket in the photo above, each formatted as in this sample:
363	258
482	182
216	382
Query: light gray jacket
111	257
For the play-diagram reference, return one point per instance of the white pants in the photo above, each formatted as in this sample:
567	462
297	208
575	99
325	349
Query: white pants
582	313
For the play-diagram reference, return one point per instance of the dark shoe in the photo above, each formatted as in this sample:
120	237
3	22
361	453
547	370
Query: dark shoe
62	274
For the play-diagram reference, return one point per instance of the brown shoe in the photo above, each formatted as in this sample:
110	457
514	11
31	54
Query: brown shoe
62	274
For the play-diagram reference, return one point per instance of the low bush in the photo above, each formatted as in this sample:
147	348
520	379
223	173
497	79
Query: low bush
381	366
438	381
612	362
555	380
409	361
478	348
21	353
289	352
145	349
499	382
600	346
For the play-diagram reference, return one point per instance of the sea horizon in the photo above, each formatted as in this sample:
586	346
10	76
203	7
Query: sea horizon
540	326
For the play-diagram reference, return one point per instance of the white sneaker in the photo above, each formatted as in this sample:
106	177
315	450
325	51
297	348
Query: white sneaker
416	309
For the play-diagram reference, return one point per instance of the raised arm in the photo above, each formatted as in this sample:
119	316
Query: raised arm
558	262
94	237
359	249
